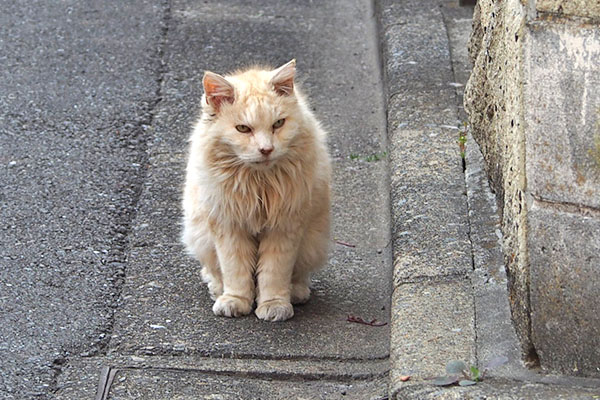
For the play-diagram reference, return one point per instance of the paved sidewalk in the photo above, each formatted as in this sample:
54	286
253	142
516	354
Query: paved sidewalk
165	342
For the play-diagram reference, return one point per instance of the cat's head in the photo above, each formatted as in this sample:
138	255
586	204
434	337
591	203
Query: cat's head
254	112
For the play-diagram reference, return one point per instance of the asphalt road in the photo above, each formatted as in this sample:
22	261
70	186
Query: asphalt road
78	84
96	102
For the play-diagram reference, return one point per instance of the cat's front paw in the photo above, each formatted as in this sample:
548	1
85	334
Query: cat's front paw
215	289
230	306
275	310
300	293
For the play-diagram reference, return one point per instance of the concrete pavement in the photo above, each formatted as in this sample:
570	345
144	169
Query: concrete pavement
98	297
164	338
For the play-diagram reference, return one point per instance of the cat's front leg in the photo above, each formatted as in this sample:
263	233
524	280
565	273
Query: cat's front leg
276	257
236	251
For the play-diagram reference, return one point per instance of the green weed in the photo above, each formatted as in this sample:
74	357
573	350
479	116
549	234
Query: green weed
459	372
369	158
462	139
595	150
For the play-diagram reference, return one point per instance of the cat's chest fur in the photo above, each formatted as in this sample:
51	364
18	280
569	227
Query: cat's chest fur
261	200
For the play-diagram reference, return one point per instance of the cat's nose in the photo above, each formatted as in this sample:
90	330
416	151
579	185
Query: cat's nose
265	151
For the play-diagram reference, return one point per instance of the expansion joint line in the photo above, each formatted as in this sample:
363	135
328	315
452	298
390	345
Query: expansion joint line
142	128
468	204
122	225
571	208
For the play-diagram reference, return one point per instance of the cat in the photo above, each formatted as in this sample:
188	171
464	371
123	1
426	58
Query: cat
257	193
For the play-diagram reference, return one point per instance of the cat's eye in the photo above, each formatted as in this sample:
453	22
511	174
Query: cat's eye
243	128
279	123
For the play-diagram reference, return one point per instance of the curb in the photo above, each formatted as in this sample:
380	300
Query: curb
449	300
432	302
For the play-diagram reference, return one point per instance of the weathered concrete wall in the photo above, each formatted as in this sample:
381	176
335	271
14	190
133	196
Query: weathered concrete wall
534	105
562	109
577	8
493	100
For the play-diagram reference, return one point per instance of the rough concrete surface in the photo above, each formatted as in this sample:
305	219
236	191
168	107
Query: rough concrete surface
95	284
499	389
534	111
432	301
435	317
564	247
426	173
183	385
578	8
359	220
562	112
77	83
79	378
434	324
164	310
493	98
495	332
563	192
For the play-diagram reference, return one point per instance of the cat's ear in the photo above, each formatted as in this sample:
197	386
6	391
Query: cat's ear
217	89
283	79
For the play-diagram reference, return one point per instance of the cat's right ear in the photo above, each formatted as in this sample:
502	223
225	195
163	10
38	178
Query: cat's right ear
283	78
217	89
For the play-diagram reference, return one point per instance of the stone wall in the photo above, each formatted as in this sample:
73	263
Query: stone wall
533	101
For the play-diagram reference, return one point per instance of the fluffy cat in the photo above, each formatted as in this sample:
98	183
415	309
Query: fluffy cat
257	193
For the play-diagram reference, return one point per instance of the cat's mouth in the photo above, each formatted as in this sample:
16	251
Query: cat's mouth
262	162
266	162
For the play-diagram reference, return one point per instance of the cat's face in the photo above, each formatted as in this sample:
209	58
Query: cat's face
255	113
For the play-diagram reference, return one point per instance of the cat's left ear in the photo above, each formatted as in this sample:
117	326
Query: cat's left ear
283	79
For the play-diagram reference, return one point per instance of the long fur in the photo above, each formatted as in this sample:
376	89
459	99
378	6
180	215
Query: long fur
266	222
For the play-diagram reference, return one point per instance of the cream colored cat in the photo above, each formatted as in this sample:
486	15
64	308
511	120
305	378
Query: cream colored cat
256	198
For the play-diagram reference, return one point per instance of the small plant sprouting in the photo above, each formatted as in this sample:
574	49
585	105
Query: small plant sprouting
369	158
462	139
458	372
595	150
376	156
